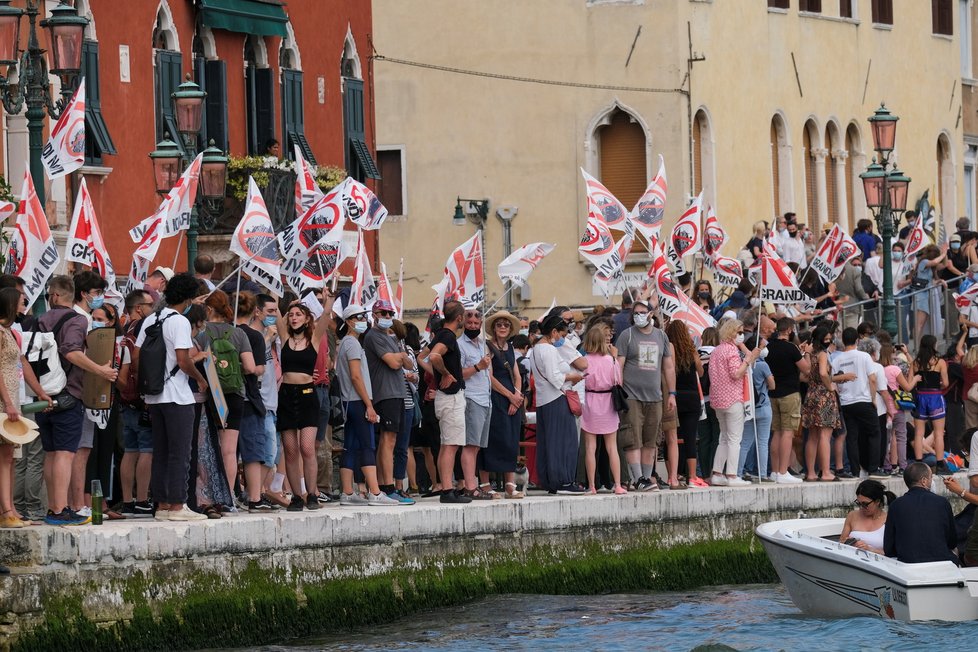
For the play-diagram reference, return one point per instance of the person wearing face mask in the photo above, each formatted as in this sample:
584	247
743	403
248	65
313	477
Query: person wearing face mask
757	431
865	238
854	371
647	366
386	358
477	373
850	289
524	328
920	524
792	245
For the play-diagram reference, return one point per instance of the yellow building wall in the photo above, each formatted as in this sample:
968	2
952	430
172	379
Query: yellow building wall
522	144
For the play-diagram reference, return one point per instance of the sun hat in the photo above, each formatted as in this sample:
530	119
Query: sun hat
353	310
22	431
514	323
166	272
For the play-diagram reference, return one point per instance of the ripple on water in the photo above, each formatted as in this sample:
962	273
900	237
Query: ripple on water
756	617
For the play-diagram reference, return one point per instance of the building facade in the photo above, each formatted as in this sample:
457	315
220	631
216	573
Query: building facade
296	73
761	105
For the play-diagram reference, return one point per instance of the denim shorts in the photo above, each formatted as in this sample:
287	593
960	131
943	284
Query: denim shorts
273	451
61	430
251	435
136	437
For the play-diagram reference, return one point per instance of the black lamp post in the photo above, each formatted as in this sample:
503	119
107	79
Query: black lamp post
168	163
66	31
886	194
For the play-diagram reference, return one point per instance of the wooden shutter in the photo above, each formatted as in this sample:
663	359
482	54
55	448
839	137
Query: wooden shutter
850	186
623	169
292	114
882	12
942	17
216	106
697	157
845	8
97	138
390	187
169	66
359	162
265	105
779	4
812	6
810	186
775	169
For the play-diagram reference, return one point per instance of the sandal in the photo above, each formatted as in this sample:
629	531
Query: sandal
212	512
477	494
514	494
495	495
113	515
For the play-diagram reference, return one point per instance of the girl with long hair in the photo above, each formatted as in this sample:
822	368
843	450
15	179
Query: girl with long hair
689	369
820	413
928	378
598	417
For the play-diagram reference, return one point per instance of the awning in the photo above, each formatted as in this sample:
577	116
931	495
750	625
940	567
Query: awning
261	17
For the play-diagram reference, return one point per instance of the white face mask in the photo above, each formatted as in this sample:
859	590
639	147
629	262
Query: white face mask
763	353
739	339
641	319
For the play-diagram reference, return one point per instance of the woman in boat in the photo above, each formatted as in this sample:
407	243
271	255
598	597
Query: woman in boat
864	525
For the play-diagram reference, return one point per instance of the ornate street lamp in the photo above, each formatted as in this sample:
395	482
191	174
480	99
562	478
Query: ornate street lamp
66	31
188	108
886	193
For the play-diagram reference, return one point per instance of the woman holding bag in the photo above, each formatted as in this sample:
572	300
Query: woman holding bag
506	418
599	417
689	406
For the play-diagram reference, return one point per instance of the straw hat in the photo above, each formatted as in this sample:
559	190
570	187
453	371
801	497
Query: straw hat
22	431
514	323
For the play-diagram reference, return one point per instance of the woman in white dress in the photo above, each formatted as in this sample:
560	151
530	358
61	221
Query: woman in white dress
864	525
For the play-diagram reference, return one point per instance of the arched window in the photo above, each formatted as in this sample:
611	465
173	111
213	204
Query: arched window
169	74
855	196
783	191
293	116
622	147
350	63
210	73
810	144
260	96
97	138
832	172
360	162
703	160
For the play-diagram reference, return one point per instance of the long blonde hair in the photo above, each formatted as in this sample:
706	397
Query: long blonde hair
728	329
971	357
596	339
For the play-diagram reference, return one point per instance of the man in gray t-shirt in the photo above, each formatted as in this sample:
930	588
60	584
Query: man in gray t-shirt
647	364
350	349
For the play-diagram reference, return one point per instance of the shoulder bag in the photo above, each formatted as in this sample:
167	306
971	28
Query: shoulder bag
573	398
619	397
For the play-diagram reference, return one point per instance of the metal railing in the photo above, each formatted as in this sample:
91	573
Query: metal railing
942	313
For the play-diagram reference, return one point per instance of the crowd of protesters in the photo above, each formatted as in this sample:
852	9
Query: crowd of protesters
479	407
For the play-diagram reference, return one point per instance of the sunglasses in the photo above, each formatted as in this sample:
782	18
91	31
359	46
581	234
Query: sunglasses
862	504
360	317
384	313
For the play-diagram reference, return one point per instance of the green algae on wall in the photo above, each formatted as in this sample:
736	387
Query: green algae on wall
259	606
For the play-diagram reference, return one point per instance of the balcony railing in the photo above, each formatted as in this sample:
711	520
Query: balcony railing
278	189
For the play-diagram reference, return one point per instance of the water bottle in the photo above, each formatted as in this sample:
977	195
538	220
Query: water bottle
96	502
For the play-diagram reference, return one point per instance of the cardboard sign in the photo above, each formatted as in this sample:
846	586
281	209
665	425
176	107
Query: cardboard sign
100	349
214	385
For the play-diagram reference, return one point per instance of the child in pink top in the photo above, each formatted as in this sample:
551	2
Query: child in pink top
598	416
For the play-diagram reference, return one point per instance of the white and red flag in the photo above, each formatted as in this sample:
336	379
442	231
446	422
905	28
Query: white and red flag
464	270
777	283
254	242
362	206
647	213
673	302
363	291
399	292
85	243
384	290
714	237
321	224
173	213
517	266
597	243
685	238
602	204
917	239
33	254
7	208
727	271
835	251
65	150
307	191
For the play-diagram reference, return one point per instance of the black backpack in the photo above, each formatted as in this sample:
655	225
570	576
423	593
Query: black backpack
152	376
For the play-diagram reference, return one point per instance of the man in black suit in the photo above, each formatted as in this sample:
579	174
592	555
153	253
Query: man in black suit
920	524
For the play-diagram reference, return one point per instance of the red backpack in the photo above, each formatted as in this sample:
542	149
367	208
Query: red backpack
128	393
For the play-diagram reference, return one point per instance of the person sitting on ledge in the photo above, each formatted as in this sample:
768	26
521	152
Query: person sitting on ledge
920	525
864	525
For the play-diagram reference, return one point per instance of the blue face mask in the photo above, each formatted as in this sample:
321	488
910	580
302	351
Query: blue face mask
360	327
269	320
385	322
187	309
898	255
98	324
559	342
96	302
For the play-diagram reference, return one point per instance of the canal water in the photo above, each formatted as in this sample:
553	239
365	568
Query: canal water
756	617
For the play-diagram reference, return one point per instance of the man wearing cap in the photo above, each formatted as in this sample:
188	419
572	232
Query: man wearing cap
647	364
476	364
385	359
157	281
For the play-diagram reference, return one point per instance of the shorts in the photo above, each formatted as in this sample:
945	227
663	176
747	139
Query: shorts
298	407
391	413
930	405
477	424
450	412
137	437
87	434
670	420
251	435
272	449
786	412
641	426
61	431
235	408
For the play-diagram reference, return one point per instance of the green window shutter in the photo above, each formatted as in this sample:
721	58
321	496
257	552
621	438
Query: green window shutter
97	138
169	66
292	113
200	76
359	162
259	85
215	72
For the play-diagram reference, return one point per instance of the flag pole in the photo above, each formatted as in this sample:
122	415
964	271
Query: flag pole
757	345
508	287
237	292
176	256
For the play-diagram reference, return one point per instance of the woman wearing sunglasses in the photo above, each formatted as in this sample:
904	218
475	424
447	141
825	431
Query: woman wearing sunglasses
865	524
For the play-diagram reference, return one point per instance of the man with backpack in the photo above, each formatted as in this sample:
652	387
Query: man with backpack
162	358
61	429
137	436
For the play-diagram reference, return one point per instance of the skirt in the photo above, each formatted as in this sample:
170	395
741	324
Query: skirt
557	444
821	409
504	437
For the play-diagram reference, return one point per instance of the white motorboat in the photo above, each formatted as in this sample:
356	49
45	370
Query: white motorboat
830	579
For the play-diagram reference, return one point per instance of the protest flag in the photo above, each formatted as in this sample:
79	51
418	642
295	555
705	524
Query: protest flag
65	150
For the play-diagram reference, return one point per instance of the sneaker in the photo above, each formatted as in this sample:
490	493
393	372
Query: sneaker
737	482
261	506
645	484
879	475
128	510
699	483
767	478
718	480
863	474
845	475
349	500
185	514
454	497
85	511
162	515
401	497
324	498
620	491
786	478
942	469
896	472
296	504
142	509
381	500
570	489
312	502
65	517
